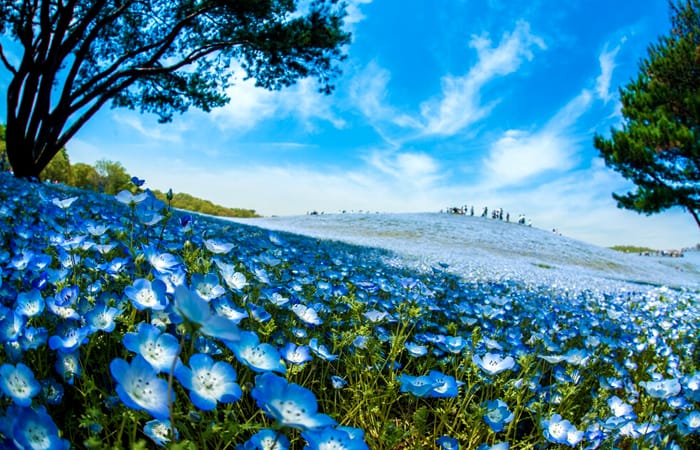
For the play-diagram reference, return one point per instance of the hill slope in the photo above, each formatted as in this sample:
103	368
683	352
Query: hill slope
486	249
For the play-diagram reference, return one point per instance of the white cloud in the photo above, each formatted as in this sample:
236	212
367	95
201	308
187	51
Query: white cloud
519	155
417	169
247	107
251	105
354	14
460	103
607	65
161	132
368	91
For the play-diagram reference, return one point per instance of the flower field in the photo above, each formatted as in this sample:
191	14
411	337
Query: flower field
125	324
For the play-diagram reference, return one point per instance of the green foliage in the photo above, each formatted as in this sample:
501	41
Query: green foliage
85	176
658	147
113	177
160	56
632	249
190	203
59	169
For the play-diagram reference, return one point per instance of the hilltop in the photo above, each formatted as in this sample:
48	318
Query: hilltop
485	249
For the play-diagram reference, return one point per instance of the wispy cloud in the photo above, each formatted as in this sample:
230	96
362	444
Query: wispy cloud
460	103
368	91
164	133
354	13
416	169
251	105
607	65
519	155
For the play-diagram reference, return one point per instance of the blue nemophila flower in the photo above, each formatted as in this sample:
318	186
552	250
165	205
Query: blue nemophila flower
101	318
620	408
18	383
497	415
71	336
62	308
138	182
172	279
277	299
360	341
225	307
306	314
190	306
689	423
288	403
446	385
493	364
158	348
11	326
115	266
233	279
33	338
68	366
419	386
64	203
259	313
447	443
638	430
338	382
21	260
333	438
218	247
35	429
321	351
296	354
662	388
415	350
130	199
97	230
261	275
258	356
691	387
375	316
145	294
560	431
205	345
138	387
455	344
209	382
207	286
267	440
496	446
30	304
161	262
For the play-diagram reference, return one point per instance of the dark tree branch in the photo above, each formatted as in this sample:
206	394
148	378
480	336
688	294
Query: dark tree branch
6	63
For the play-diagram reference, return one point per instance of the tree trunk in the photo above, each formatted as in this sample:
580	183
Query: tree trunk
21	151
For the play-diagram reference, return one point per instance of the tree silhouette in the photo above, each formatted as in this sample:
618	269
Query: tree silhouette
158	56
658	147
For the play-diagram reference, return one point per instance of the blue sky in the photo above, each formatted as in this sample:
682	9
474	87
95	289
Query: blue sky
441	102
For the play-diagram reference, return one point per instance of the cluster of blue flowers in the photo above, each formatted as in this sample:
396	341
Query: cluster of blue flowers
127	306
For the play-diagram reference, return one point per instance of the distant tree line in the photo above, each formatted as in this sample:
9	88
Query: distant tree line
111	177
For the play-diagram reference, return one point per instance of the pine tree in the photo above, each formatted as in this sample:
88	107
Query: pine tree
658	147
